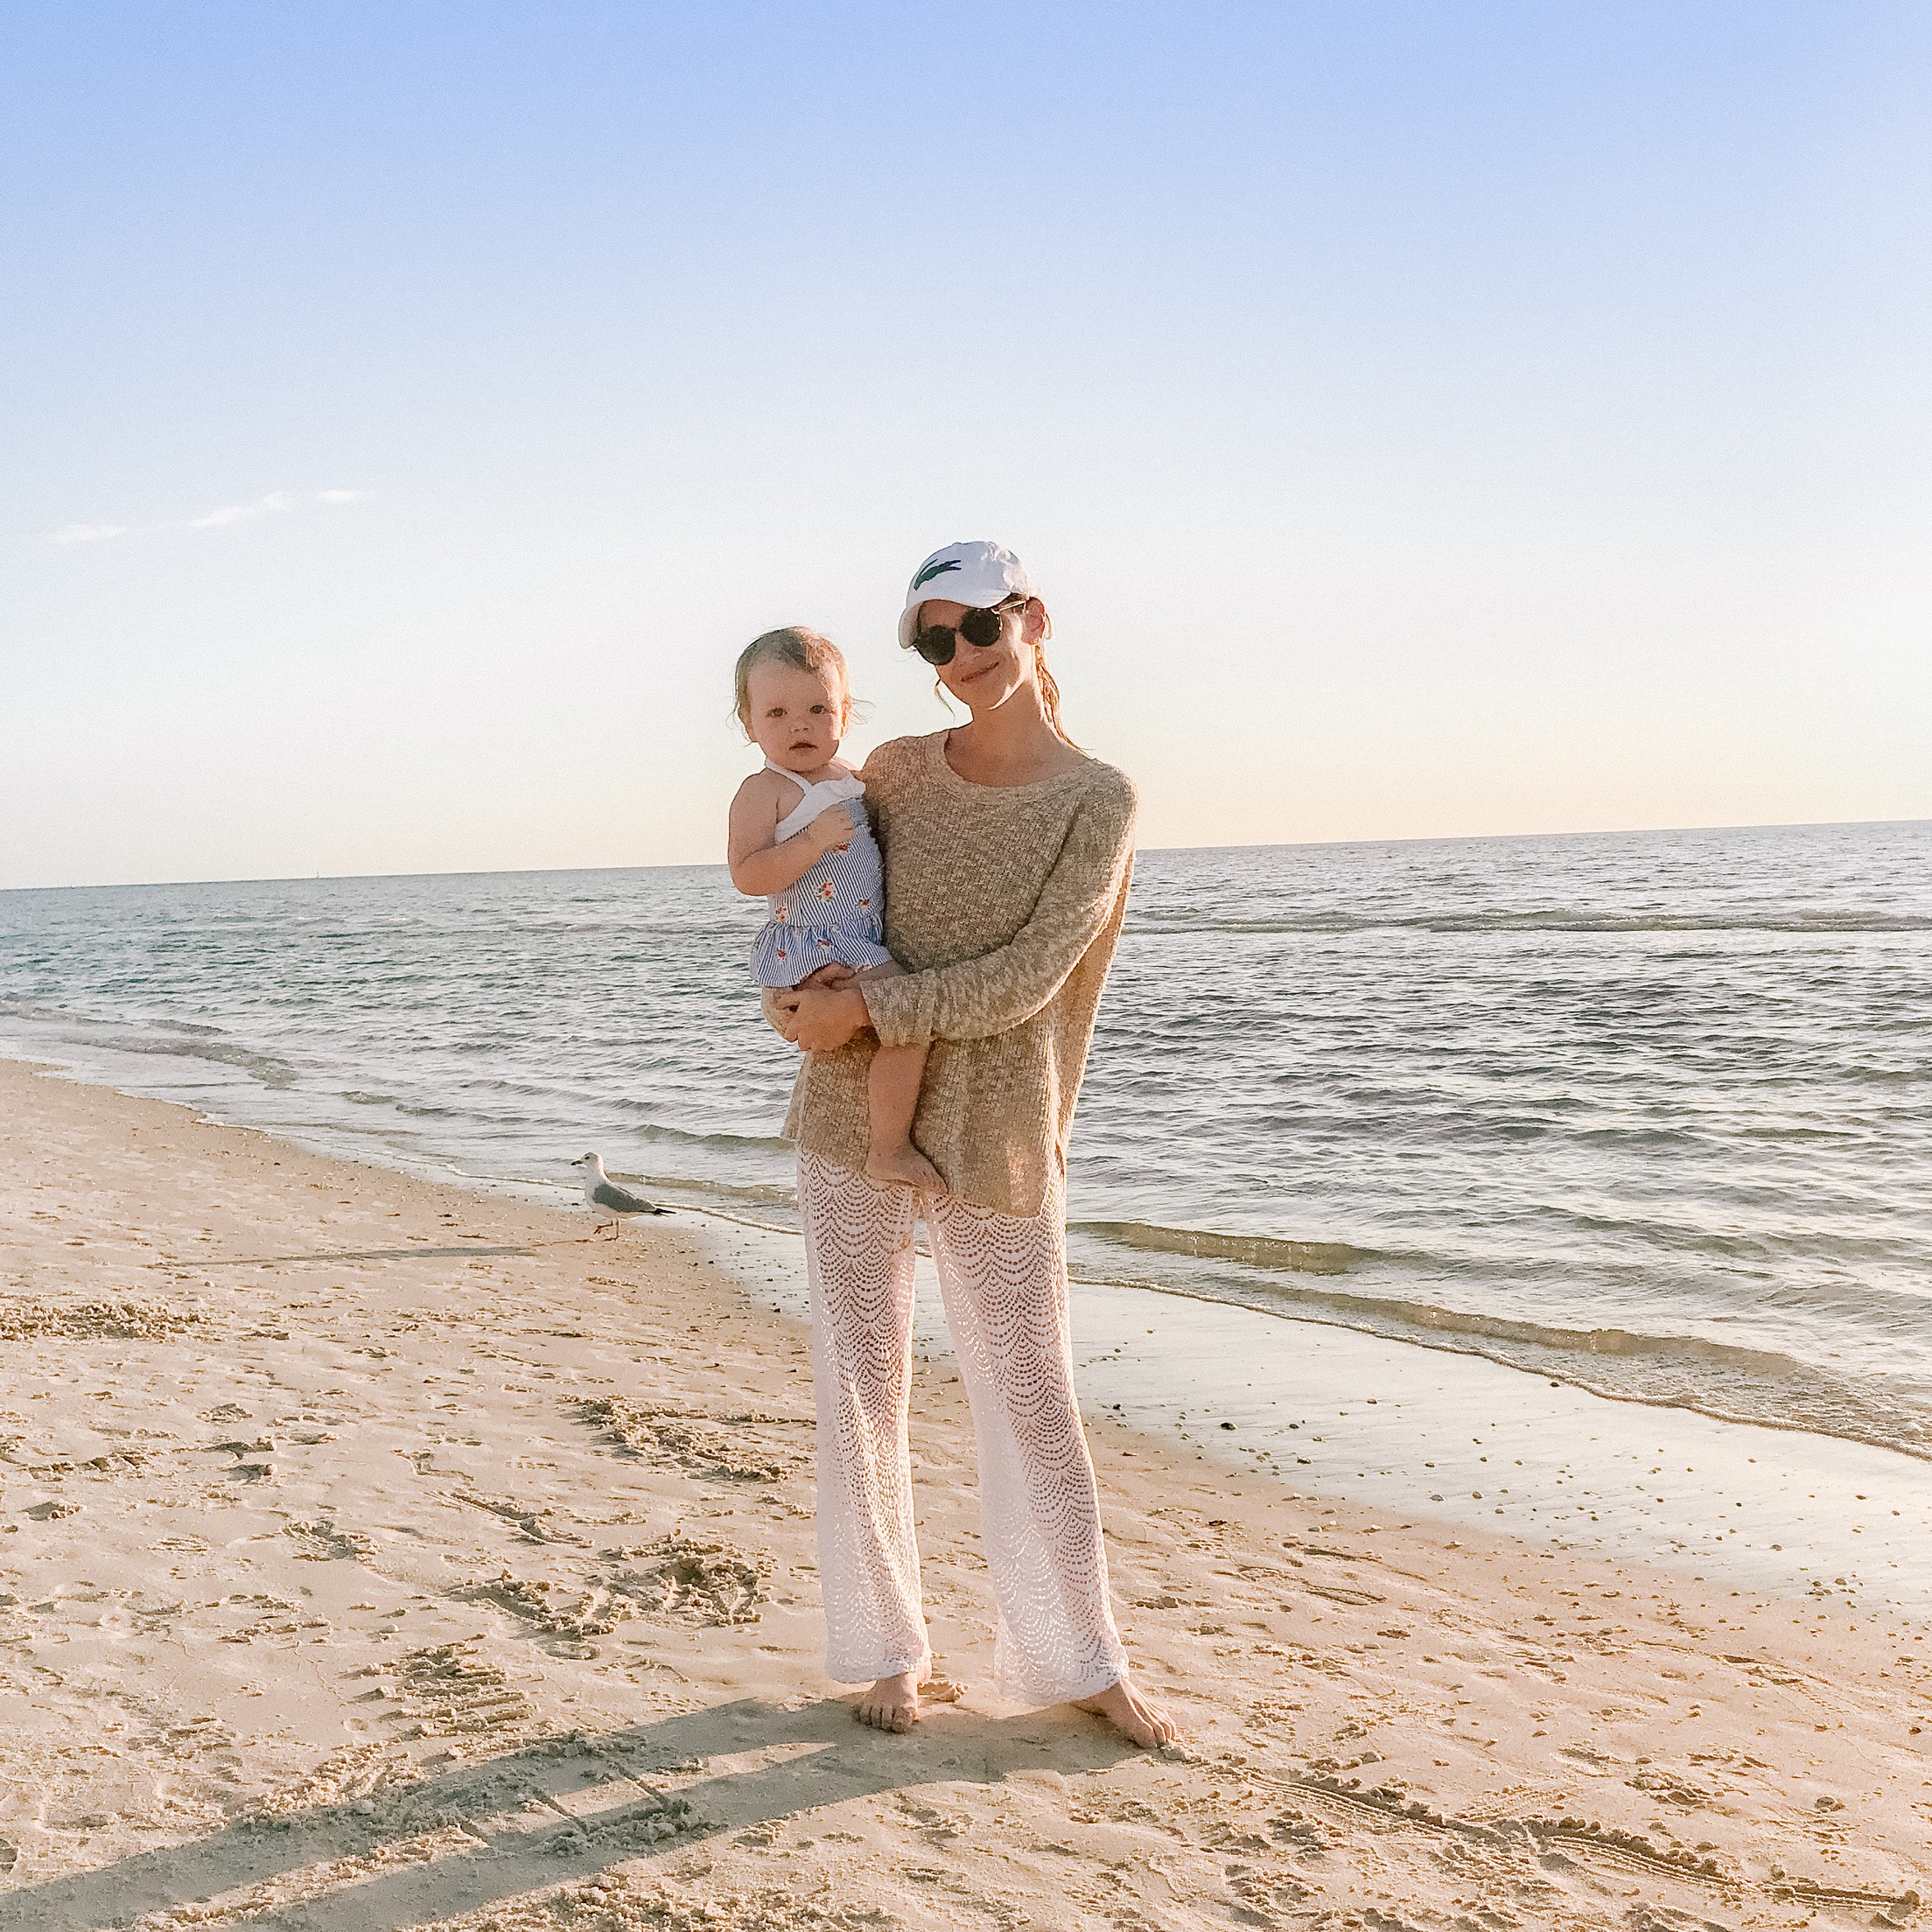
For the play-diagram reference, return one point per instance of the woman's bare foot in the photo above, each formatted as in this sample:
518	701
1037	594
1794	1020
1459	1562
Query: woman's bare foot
892	1704
1130	1714
906	1165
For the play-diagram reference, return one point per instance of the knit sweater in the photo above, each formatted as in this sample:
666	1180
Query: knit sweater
1003	904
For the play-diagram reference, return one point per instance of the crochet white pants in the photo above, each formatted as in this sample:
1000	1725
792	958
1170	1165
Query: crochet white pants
1003	1282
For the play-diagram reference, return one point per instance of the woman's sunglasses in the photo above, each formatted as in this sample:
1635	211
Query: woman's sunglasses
937	644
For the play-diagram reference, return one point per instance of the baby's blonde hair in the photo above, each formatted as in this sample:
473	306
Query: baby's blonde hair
803	649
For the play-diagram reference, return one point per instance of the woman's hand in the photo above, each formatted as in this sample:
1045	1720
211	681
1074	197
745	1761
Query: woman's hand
821	1022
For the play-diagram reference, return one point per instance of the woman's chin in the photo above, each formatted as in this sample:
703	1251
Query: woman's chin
983	691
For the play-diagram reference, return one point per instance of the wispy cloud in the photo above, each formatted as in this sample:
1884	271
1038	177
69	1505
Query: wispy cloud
272	505
85	532
276	503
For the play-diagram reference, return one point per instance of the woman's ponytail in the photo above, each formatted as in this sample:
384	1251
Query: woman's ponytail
1049	694
1049	687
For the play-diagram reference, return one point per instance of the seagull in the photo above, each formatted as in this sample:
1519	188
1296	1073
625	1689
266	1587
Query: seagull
603	1196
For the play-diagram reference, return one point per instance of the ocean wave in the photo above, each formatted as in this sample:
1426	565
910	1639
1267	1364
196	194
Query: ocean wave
265	1067
1326	1257
178	1040
1310	1258
1156	920
1725	1380
778	1204
19	1008
684	1138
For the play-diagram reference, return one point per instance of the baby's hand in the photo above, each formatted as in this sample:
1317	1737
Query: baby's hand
832	978
831	830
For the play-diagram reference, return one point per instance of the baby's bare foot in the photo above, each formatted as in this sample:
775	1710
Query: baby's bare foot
1129	1712
906	1166
892	1704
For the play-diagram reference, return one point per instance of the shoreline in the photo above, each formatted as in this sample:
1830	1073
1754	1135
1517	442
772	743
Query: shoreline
1866	1509
700	1199
1800	1513
462	1550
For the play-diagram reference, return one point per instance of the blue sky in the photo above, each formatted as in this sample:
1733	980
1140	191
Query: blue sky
1425	419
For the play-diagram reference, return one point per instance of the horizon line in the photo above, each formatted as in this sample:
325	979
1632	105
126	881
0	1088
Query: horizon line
686	866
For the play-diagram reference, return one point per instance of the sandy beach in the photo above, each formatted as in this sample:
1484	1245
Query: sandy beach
378	1554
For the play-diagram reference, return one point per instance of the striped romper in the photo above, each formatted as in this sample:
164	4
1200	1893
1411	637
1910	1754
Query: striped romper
836	913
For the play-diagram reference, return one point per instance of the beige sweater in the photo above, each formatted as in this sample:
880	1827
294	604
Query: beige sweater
1003	904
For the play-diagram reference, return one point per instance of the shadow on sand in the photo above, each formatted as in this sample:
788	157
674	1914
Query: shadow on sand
523	1834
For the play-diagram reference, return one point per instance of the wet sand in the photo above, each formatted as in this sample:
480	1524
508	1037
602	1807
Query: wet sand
1457	1440
376	1554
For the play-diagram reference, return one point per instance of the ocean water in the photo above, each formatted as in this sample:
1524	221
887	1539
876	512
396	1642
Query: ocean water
1647	1113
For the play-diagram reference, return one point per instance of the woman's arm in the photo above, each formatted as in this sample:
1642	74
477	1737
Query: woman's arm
995	992
758	866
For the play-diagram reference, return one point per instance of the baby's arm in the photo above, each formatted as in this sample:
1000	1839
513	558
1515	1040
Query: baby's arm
758	864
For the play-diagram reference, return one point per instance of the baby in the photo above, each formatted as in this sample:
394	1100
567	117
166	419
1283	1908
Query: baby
799	834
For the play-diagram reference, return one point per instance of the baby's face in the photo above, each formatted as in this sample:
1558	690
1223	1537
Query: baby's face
797	718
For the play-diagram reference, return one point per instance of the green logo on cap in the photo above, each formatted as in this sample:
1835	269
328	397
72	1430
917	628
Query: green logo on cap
935	569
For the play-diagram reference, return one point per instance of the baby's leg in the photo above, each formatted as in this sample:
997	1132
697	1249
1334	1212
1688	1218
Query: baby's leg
892	1096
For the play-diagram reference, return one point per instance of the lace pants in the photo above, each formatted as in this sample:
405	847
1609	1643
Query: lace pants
1004	1281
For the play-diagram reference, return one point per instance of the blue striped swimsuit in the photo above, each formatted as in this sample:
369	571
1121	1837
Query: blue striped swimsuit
836	913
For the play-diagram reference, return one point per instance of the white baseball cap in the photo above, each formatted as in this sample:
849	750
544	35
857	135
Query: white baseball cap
976	575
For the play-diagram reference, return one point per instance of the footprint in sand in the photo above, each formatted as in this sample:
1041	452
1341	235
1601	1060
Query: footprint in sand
747	1447
678	1579
324	1543
449	1693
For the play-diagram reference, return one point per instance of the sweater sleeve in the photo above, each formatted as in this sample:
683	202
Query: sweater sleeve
978	998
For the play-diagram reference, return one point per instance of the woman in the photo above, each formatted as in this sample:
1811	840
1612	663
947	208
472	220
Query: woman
1008	852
